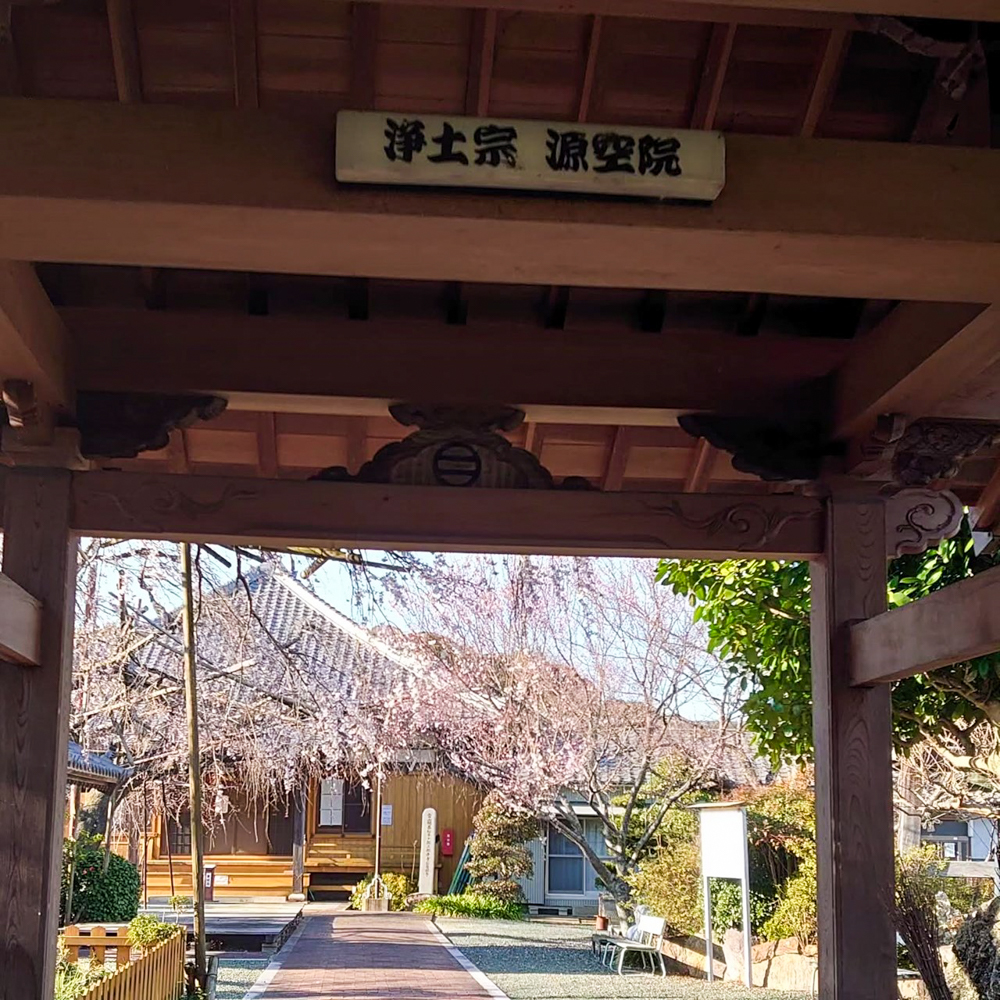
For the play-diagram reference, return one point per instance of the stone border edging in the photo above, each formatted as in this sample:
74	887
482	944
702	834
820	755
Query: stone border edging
480	977
271	969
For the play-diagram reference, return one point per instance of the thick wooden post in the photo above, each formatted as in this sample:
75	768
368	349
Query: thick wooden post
298	844
853	740
39	555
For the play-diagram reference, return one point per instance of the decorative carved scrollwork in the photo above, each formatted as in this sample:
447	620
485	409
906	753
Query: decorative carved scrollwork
122	424
454	446
935	449
918	519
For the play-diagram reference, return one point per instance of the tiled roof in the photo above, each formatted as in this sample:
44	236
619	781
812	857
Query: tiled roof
92	770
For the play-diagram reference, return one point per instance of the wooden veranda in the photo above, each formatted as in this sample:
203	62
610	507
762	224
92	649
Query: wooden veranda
808	367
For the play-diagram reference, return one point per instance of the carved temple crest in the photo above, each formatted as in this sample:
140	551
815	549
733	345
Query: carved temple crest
454	446
935	449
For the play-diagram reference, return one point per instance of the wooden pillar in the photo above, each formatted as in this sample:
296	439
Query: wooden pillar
853	741
40	556
298	844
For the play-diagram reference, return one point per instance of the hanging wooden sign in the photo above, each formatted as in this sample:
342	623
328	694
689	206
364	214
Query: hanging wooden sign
375	147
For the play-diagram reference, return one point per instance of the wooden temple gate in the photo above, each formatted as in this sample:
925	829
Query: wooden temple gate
808	367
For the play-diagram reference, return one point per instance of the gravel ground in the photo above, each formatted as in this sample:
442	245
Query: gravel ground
539	960
237	975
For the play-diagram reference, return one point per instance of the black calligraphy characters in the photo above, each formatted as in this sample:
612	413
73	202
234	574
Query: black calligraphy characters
405	137
496	144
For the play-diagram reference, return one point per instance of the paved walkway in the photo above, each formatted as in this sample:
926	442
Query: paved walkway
353	956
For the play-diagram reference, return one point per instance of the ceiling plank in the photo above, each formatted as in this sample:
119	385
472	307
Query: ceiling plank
34	346
243	29
713	75
125	51
791	13
482	47
212	351
169	186
20	624
364	50
831	61
614	473
917	356
952	625
279	512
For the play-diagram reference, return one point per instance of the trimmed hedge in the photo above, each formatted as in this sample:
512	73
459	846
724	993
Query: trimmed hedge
471	904
99	896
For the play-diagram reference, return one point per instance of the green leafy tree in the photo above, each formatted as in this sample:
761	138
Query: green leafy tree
498	854
756	614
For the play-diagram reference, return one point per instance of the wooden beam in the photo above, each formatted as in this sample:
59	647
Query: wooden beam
852	733
986	512
364	49
33	340
589	79
231	352
558	522
357	443
713	75
39	556
177	454
183	187
917	356
482	45
793	13
958	623
125	50
20	624
824	86
614	473
243	28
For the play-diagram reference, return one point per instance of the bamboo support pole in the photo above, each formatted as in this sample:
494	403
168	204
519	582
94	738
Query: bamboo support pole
194	768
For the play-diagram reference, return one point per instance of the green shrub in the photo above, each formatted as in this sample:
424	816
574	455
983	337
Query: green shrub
178	902
398	886
796	914
727	904
471	904
99	896
968	894
147	931
668	883
505	890
498	854
72	980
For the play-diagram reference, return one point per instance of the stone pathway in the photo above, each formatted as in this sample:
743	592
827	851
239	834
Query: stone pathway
354	956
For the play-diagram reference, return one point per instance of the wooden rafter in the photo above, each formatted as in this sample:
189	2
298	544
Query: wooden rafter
283	512
125	50
243	28
364	48
482	46
986	513
267	446
825	82
700	473
614	472
588	82
713	75
952	625
34	346
794	13
177	453
169	186
917	356
212	351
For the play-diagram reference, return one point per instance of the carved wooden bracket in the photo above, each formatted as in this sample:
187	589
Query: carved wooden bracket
791	451
454	446
935	449
918	519
120	424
